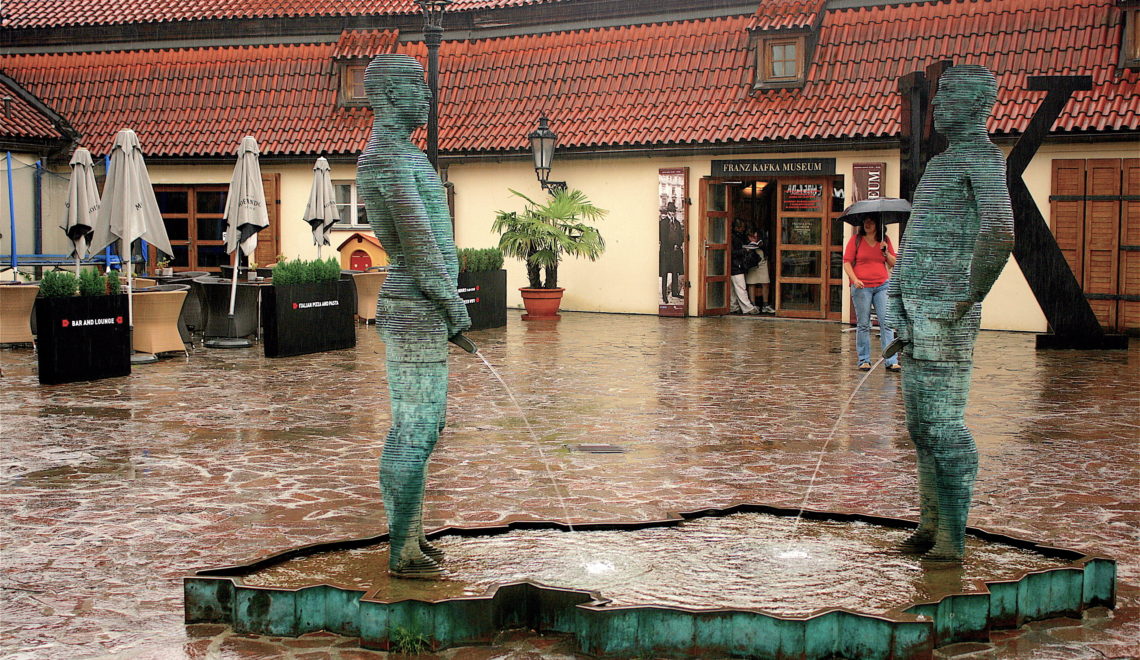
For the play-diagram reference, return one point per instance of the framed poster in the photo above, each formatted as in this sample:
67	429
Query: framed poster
673	233
802	198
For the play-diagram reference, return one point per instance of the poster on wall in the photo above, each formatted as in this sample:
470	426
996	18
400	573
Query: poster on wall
868	183
672	229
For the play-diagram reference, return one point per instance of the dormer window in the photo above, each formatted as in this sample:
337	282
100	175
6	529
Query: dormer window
352	84
1130	37
779	61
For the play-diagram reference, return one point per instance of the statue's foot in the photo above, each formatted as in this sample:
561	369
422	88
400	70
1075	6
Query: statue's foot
431	551
917	543
416	568
943	554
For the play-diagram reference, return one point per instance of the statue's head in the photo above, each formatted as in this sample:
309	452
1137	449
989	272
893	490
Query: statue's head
966	94
397	91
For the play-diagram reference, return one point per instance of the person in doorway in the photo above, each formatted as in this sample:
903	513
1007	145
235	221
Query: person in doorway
757	276
742	260
419	307
867	260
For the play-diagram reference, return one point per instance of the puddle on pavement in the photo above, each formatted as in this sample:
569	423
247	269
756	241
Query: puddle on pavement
738	561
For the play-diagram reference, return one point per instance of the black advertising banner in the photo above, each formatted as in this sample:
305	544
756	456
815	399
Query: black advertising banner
802	198
672	230
774	167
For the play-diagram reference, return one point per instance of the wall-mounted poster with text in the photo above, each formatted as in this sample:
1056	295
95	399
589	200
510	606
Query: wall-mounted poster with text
672	229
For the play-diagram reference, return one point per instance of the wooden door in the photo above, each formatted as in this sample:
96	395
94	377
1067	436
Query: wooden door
267	239
715	235
1128	312
802	247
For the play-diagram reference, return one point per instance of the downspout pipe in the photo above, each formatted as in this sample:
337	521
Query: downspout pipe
11	213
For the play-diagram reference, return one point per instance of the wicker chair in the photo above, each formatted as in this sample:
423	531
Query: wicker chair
16	301
155	318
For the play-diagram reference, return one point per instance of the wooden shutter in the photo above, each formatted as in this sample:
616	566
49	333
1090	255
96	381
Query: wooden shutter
268	238
1068	216
1102	237
1129	306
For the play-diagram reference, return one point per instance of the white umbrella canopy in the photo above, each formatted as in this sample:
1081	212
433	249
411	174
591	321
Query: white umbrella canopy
129	210
321	212
246	213
82	206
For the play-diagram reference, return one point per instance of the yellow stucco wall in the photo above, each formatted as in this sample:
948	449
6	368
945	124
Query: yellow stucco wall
625	278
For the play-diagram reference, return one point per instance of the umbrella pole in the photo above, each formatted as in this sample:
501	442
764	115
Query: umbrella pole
233	282
318	251
126	249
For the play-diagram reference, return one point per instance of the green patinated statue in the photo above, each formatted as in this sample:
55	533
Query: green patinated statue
957	241
419	308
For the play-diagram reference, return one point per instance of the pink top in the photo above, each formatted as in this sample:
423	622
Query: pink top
868	262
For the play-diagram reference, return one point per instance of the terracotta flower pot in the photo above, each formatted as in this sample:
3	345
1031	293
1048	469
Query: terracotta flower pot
541	304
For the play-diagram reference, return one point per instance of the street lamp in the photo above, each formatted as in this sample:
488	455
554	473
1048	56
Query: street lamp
433	35
542	142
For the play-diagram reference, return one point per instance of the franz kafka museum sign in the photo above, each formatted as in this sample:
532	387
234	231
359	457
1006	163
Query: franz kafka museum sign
774	167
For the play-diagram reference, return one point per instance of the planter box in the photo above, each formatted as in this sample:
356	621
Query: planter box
308	318
82	338
486	296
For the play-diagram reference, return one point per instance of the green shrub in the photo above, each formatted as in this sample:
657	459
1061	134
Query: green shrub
476	260
297	271
114	286
58	284
91	283
409	641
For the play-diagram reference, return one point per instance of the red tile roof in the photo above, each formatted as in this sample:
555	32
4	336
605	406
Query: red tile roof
356	44
57	13
21	120
787	14
675	83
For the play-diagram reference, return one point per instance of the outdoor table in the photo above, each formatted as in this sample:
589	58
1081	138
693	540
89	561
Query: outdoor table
215	302
155	318
16	301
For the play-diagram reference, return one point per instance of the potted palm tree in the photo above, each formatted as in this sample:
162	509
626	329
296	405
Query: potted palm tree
540	235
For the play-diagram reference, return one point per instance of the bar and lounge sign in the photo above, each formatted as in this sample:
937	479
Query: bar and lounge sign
774	167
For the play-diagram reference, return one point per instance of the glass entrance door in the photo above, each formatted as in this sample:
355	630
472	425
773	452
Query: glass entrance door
802	236
715	231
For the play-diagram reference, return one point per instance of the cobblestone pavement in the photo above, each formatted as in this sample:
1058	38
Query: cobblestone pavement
114	490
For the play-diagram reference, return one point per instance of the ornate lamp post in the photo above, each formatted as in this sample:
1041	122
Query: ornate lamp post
433	35
542	142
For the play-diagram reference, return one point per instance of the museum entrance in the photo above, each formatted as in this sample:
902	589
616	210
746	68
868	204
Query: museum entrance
797	221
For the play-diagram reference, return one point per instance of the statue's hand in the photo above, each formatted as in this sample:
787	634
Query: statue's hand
458	319
961	308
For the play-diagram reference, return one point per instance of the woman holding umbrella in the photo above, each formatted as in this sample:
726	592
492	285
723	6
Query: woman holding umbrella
867	260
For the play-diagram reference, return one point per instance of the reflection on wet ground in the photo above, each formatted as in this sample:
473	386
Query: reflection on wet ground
744	561
114	490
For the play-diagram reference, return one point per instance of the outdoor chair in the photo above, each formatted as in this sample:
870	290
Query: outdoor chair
192	308
156	311
16	302
140	282
367	290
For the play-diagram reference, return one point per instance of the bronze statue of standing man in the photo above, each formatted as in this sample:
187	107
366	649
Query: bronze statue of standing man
957	241
419	308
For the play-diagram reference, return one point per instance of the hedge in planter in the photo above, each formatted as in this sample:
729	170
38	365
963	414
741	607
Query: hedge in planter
483	287
308	309
81	337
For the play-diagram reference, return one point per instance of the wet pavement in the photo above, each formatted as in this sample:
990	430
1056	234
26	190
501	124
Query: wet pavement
114	490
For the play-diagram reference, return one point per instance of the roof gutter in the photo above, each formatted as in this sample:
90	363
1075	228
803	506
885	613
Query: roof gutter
71	136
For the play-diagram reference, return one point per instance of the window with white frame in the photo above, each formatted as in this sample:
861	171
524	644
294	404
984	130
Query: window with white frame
349	205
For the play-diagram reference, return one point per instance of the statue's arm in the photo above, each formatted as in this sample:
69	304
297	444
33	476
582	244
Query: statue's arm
995	231
423	257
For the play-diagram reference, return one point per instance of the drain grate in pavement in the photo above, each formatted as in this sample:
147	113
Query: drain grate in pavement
599	449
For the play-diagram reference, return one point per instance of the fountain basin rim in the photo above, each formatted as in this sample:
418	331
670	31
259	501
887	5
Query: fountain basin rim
598	602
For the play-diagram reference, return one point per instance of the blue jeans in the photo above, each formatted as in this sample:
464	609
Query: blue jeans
863	299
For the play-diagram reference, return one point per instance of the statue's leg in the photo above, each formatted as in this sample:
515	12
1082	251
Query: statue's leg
923	538
955	458
418	393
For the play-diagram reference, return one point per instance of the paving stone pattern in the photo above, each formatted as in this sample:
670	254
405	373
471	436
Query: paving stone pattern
113	490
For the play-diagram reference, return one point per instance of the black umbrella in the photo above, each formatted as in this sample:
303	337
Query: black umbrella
887	210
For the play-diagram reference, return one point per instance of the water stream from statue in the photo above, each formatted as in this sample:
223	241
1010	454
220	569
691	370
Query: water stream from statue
534	437
819	461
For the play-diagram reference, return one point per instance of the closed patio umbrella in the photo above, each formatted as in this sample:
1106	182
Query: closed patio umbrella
129	210
245	215
82	204
321	212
